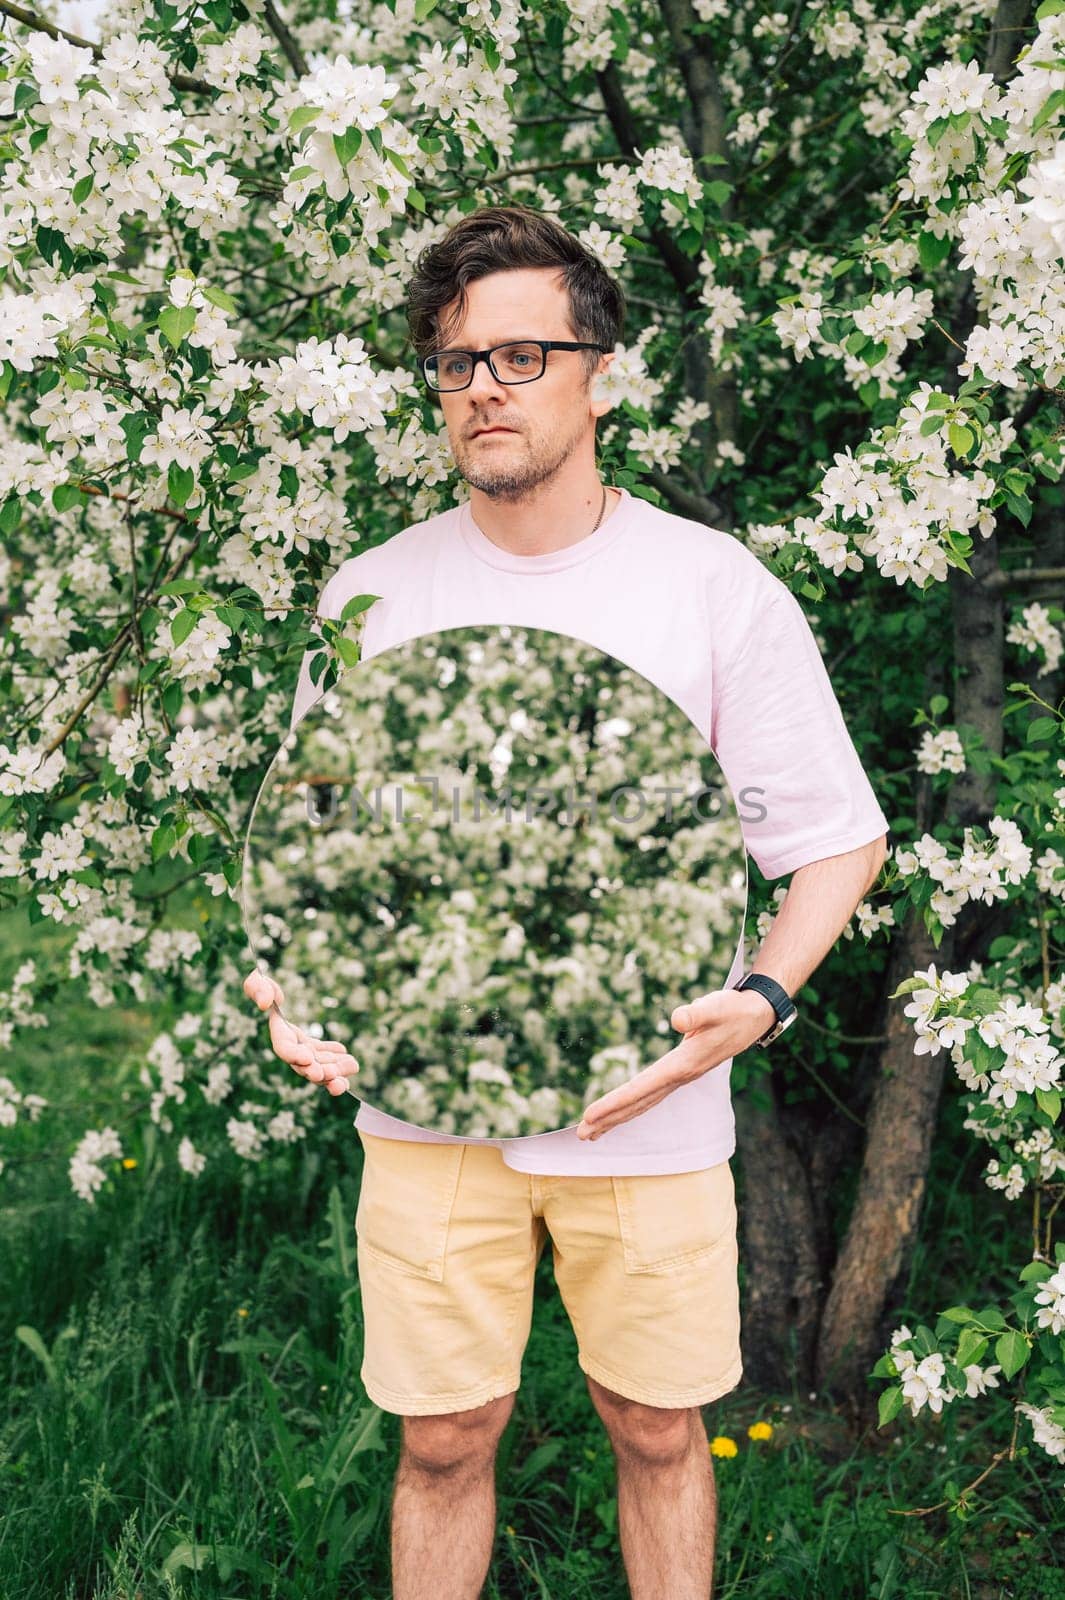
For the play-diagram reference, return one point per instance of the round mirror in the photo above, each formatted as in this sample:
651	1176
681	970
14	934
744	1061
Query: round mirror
487	860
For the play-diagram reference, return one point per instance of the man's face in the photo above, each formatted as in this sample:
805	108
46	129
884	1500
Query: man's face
550	418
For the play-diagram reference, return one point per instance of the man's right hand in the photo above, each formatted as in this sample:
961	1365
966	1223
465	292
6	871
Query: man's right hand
320	1060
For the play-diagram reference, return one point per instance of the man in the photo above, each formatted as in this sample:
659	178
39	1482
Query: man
639	1199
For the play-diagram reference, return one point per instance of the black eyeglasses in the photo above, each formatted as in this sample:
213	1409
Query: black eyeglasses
518	362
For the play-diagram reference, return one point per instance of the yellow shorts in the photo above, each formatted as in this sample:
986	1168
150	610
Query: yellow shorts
449	1238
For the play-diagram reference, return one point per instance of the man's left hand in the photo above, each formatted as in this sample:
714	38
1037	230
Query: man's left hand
716	1027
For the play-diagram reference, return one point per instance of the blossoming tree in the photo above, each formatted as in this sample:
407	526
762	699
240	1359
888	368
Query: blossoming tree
843	235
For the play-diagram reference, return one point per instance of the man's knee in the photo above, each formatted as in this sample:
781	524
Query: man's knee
655	1433
457	1439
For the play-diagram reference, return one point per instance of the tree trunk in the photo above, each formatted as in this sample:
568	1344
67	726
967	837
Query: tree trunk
886	1213
784	1248
903	1115
783	1288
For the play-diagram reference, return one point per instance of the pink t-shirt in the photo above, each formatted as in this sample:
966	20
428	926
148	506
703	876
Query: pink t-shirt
697	614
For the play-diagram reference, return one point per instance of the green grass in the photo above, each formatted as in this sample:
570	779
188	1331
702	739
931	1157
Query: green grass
184	1416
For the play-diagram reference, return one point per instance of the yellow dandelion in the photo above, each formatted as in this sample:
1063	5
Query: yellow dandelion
129	1161
723	1446
760	1430
242	1311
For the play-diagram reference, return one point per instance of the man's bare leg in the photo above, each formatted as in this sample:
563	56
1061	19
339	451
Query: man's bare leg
667	1498
444	1503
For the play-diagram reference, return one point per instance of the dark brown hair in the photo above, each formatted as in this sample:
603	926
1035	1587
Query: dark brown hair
498	239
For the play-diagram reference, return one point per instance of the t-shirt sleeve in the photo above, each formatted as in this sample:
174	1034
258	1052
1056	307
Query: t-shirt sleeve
779	735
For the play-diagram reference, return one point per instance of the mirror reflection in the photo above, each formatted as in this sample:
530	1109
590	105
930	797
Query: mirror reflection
490	861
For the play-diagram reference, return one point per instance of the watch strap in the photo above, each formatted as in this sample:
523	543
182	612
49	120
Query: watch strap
778	997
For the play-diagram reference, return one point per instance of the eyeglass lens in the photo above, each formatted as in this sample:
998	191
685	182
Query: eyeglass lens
512	363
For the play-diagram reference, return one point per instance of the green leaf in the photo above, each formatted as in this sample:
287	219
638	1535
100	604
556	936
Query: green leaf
1021	507
82	189
219	298
179	586
1049	1100
423	9
961	438
301	116
163	840
909	986
397	161
416	199
1041	728
347	144
357	604
173	695
938	704
932	251
924	1339
959	1314
889	1405
136	426
174	322
180	483
200	847
182	625
1050	8
1011	1352
1051	106
972	1346
348	651
65	495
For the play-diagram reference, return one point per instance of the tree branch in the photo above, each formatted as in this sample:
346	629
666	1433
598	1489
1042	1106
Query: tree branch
117	649
30	19
1003	579
297	60
686	504
682	269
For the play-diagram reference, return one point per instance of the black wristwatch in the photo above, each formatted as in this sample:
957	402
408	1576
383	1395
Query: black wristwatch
778	998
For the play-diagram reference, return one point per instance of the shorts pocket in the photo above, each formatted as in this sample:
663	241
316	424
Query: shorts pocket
405	1201
670	1219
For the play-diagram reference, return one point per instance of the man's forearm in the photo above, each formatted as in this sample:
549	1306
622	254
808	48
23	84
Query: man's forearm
820	901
